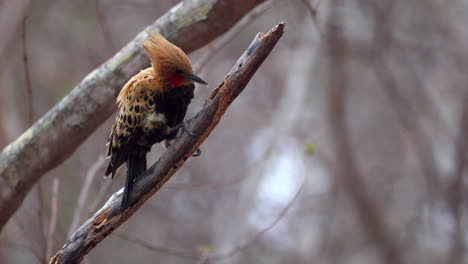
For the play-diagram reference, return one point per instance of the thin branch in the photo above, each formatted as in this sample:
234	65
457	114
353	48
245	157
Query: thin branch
40	219
27	74
55	136
22	233
30	118
11	17
102	193
456	191
164	250
109	217
254	238
53	216
207	184
348	175
84	192
231	34
24	248
205	257
313	11
404	109
104	26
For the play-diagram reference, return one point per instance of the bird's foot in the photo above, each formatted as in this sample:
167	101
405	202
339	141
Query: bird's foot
184	126
197	153
181	128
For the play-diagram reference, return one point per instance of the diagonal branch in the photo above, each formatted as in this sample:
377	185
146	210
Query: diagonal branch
55	136
108	218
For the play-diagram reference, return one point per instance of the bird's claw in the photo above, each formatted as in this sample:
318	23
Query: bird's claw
197	153
181	128
184	127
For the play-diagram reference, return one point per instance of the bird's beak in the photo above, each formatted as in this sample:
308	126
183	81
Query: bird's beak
194	78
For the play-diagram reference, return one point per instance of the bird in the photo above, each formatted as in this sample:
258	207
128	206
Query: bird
151	109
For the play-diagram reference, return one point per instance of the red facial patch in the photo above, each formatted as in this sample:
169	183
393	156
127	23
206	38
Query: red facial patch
176	80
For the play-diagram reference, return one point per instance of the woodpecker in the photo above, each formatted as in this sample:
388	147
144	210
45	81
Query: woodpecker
152	107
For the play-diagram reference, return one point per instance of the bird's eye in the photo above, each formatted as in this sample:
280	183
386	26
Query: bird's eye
178	71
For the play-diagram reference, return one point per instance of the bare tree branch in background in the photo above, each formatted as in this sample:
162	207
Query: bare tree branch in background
84	192
214	47
11	18
205	257
30	119
40	220
190	25
100	15
247	20
404	109
168	251
27	74
255	237
25	246
53	217
457	189
207	184
101	194
347	173
109	217
313	11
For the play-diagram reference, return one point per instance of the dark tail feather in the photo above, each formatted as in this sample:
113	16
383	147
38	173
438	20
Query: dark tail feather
136	165
110	170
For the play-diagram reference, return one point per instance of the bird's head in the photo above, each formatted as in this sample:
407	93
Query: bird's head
170	64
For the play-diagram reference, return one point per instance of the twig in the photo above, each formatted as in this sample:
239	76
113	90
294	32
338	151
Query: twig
205	257
40	219
456	191
30	118
109	217
56	135
27	75
22	233
11	16
207	184
231	34
313	10
53	216
151	247
22	247
405	110
104	26
348	174
255	237
84	192
102	193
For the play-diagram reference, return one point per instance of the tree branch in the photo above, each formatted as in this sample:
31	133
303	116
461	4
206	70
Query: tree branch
54	137
108	218
348	175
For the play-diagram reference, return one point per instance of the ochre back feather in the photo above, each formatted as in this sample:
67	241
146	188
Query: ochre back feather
144	78
165	56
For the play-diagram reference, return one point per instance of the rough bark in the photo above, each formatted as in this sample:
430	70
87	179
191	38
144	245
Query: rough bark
109	218
53	138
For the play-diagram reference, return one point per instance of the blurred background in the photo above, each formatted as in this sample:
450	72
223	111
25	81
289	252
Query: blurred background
348	145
